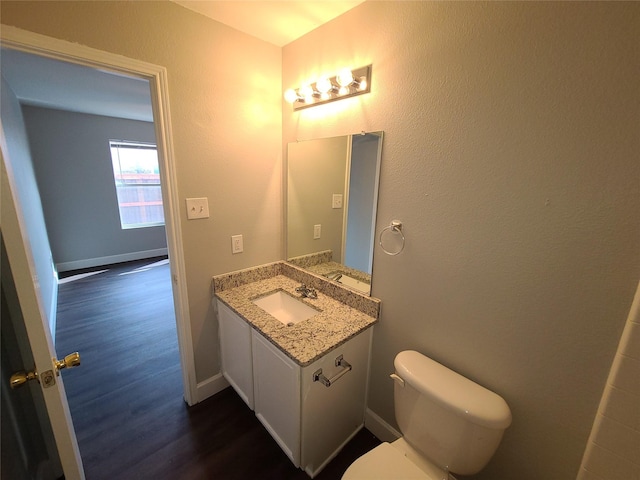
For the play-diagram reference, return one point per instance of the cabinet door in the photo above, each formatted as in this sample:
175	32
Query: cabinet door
277	395
331	416
235	352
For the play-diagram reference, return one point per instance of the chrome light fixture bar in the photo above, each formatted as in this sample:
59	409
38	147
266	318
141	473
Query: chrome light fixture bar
347	83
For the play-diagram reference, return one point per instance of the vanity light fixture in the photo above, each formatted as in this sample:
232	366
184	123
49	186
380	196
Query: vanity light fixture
347	83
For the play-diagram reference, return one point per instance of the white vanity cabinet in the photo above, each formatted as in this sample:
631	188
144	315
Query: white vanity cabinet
235	352
311	411
311	421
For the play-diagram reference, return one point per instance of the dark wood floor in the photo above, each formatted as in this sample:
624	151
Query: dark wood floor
126	397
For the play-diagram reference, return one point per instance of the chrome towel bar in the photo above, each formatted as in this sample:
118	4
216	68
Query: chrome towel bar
327	382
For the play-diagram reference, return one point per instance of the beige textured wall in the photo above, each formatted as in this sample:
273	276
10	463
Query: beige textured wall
511	155
224	92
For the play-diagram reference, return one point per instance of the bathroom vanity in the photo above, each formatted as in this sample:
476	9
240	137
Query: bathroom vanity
306	381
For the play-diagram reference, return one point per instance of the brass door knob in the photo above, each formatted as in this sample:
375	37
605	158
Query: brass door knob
48	378
20	378
70	361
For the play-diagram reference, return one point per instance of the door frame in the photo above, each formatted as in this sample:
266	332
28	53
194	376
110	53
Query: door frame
44	46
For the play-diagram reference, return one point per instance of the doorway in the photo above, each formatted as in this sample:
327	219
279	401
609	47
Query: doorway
37	45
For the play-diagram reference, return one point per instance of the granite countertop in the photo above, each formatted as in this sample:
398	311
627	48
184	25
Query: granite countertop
305	341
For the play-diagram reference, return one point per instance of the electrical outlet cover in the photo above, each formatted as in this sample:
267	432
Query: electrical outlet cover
336	201
237	244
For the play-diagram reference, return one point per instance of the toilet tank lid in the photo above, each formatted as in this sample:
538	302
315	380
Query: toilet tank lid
453	391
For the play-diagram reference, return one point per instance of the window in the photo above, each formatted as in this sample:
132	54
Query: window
137	178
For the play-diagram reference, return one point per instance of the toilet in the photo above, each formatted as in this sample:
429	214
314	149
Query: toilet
448	422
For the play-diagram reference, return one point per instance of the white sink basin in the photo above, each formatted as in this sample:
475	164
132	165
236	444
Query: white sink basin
286	308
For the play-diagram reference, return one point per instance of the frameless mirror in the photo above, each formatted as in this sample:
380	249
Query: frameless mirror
332	196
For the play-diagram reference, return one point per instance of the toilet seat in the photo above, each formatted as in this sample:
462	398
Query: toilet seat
385	462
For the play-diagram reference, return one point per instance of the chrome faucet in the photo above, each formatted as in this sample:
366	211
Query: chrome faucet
307	292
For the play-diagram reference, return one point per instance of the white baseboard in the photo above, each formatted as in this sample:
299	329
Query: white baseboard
210	387
381	429
108	260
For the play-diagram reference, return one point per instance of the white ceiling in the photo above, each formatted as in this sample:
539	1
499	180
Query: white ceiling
61	85
55	84
279	23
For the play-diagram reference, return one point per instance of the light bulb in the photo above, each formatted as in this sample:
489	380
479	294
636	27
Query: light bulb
291	95
324	85
343	90
362	85
344	77
307	92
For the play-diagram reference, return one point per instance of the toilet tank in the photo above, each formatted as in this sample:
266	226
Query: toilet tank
454	422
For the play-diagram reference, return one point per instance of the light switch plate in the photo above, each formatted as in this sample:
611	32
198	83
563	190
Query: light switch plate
197	208
336	201
317	230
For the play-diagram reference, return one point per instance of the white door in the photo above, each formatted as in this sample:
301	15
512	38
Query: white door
21	261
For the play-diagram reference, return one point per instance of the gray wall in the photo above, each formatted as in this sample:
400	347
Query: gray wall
511	157
20	169
72	163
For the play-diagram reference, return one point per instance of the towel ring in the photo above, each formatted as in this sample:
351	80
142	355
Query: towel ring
394	227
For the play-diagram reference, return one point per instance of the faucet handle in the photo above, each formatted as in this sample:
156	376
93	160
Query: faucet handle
306	291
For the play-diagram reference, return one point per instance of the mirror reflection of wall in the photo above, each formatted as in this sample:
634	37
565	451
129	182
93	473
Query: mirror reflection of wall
362	202
332	193
316	172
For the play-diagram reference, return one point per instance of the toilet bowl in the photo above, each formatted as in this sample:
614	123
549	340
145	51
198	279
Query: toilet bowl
448	422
